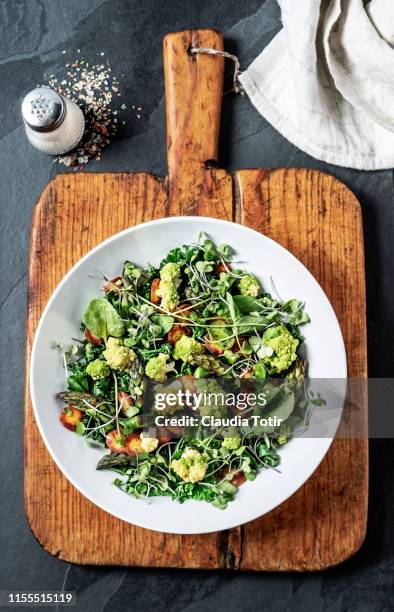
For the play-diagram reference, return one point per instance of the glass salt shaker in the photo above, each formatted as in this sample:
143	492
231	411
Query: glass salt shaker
54	124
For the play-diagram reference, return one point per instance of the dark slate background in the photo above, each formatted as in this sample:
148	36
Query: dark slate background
33	34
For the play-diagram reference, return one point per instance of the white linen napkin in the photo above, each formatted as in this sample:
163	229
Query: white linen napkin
326	81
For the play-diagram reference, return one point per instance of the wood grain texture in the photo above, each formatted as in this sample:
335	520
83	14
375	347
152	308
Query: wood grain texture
74	214
316	218
311	214
319	220
194	85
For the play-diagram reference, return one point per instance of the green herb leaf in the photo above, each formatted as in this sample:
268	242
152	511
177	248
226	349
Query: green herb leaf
247	305
249	323
281	408
102	319
260	371
78	382
80	428
164	321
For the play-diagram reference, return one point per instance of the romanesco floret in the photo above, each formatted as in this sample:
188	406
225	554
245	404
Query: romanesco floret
186	348
148	444
192	466
117	356
231	443
283	346
157	368
168	287
248	285
98	369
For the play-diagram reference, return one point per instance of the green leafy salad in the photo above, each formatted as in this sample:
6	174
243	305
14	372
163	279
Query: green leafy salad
199	321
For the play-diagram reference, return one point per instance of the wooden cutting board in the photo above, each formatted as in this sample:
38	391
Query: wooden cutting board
314	216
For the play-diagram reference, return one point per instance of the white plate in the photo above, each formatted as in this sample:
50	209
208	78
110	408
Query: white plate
60	321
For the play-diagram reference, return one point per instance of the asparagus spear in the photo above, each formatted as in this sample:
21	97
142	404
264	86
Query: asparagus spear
78	398
117	460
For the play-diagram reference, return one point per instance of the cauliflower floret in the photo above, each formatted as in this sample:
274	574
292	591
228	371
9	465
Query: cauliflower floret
231	443
98	369
168	287
117	356
157	368
191	467
186	348
283	346
148	445
248	285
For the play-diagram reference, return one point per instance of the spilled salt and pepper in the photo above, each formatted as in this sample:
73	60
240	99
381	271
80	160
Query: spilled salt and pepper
95	92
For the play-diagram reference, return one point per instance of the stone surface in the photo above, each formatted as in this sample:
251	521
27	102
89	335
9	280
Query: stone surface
33	34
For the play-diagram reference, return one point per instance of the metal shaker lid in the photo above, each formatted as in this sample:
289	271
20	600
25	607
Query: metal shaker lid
43	109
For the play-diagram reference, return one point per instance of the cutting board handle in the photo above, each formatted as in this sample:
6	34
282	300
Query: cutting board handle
194	88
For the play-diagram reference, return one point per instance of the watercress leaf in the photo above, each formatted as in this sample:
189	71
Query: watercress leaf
132	411
162	481
165	321
101	387
248	323
144	472
131	424
259	370
292	306
156	330
225	250
102	319
251	475
246	304
80	428
255	343
299	318
245	465
224	452
281	408
205	266
297	314
272	332
78	382
316	400
268	454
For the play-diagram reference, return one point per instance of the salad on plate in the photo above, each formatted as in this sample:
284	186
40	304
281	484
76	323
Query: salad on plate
197	322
